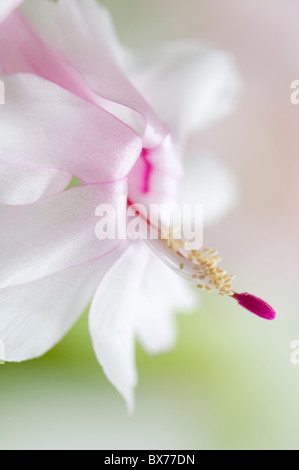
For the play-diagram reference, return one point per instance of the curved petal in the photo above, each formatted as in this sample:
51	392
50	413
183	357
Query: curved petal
36	315
77	48
45	126
209	182
29	44
97	55
42	16
22	50
164	294
7	6
20	185
188	85
112	322
56	233
131	299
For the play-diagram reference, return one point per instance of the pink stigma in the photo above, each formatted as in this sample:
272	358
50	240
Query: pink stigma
255	305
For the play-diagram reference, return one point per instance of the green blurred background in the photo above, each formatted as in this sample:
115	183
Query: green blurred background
229	383
226	385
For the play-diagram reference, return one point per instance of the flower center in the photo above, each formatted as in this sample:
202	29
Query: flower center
201	267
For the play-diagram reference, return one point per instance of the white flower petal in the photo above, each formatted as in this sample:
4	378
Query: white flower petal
7	6
20	185
112	322
164	295
39	239
209	182
42	16
35	316
140	295
188	85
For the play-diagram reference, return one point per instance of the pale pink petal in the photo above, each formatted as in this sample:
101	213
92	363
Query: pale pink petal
45	126
34	42
20	185
7	6
29	44
77	49
88	41
23	50
112	322
188	85
36	315
53	234
210	182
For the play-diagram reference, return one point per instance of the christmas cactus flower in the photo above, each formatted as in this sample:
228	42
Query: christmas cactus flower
78	104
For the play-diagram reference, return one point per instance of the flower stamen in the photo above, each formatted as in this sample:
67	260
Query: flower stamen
201	267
